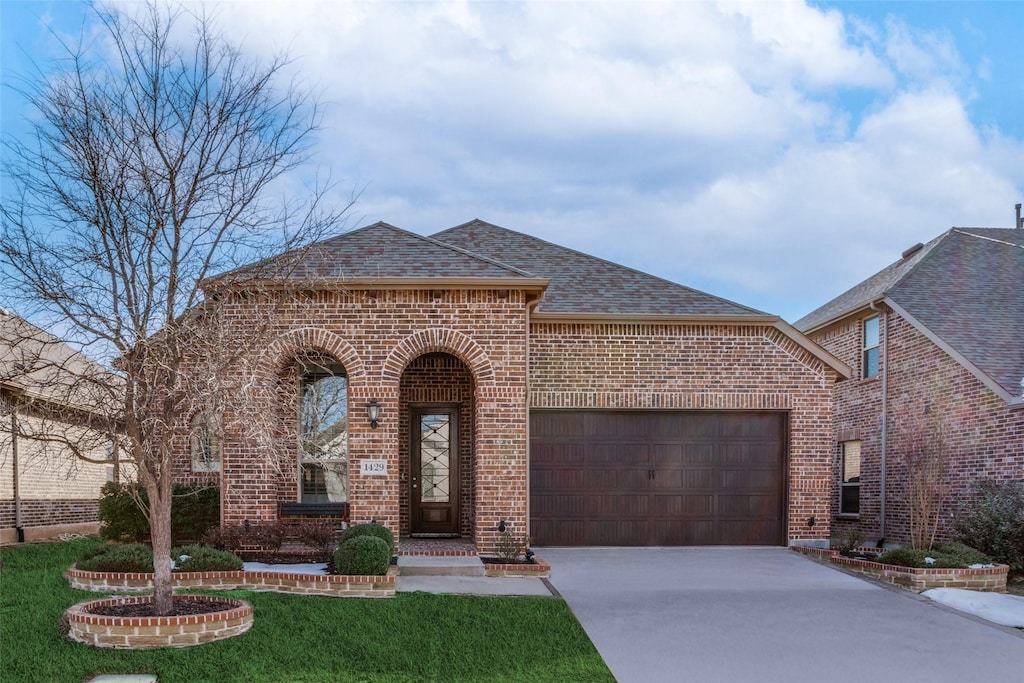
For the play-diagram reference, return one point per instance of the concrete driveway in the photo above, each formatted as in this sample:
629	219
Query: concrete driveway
767	614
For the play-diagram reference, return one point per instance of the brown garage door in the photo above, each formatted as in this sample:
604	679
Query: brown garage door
657	478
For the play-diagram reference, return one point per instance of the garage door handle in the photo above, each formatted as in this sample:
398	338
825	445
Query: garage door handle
650	474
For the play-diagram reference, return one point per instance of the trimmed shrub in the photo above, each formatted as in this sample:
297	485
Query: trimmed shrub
369	529
993	521
966	554
319	535
363	555
195	508
120	514
227	537
118	557
266	535
199	558
946	555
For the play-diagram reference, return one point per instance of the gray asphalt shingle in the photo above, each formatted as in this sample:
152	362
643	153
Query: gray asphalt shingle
585	284
966	287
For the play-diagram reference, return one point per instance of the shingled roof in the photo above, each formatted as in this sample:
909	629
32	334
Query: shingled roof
384	252
584	284
964	289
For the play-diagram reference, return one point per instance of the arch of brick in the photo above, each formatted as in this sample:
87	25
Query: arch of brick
433	340
287	345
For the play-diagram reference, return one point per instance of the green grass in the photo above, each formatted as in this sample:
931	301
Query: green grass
413	637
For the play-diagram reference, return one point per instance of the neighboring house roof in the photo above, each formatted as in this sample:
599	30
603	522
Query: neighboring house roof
584	284
38	366
965	291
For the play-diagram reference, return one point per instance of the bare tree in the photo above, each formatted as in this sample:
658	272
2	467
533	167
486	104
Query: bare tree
149	171
923	450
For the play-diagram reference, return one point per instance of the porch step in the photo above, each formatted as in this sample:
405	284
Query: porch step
425	565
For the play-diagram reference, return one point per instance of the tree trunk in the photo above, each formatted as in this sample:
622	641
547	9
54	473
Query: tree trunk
160	533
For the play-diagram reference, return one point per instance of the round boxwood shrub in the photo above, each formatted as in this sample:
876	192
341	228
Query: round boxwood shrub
369	529
118	557
200	558
363	555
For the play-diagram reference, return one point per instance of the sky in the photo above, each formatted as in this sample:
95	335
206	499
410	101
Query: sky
771	153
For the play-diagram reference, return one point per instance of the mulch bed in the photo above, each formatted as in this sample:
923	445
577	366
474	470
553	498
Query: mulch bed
498	560
183	606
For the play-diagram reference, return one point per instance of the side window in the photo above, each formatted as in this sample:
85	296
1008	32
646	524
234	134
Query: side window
323	435
849	485
869	357
204	441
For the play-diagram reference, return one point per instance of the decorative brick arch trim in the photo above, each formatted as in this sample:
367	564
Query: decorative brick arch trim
438	340
291	343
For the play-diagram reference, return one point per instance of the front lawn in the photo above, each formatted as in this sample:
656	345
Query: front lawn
412	637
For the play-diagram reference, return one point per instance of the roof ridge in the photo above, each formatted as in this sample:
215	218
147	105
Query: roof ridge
961	231
604	260
452	247
928	248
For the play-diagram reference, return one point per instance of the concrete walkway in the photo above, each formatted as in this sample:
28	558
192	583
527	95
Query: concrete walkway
768	614
466	575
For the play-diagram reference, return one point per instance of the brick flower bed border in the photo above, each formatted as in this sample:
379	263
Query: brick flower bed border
341	586
142	633
538	570
991	579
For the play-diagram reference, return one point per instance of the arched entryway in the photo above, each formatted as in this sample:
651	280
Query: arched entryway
436	447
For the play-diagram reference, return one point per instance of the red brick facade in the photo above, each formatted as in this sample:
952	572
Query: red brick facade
393	344
698	367
470	347
985	439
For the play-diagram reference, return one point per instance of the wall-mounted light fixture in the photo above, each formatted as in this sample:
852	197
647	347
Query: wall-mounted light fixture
811	521
502	526
373	412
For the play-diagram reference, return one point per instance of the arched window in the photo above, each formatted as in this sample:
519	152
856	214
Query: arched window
323	434
204	441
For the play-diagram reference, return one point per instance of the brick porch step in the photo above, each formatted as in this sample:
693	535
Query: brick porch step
423	565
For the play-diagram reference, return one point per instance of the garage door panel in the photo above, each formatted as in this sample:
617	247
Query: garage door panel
622	504
698	453
557	424
624	532
666	479
699	479
558	453
563	480
560	505
615	480
666	454
739	532
657	478
746	480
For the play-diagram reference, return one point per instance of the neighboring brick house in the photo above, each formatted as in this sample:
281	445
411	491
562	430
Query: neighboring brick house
937	336
46	489
513	380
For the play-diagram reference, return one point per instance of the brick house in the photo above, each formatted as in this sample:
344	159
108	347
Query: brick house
448	384
46	488
937	336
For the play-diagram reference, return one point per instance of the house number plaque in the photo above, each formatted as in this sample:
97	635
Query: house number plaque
373	468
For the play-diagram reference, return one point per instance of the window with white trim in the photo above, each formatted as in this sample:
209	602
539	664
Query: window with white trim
323	434
204	442
849	484
869	355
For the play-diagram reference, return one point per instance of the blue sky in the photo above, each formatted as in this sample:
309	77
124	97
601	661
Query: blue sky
770	153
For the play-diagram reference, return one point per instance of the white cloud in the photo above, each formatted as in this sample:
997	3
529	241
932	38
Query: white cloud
773	153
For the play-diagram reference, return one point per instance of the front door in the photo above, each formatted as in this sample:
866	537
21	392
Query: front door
434	475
